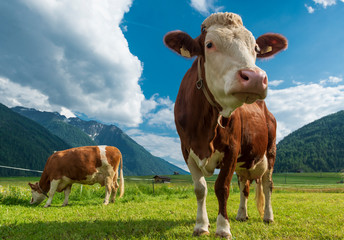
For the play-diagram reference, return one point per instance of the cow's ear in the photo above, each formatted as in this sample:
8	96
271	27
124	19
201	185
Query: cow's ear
31	185
270	44
183	44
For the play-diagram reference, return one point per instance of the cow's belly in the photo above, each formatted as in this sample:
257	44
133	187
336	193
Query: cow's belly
255	172
207	165
97	177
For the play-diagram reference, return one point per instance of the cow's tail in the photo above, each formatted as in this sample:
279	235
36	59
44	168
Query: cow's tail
260	198
121	180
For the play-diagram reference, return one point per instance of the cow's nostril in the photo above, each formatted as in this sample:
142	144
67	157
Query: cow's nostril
243	76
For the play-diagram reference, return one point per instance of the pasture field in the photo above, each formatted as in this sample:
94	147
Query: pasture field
306	206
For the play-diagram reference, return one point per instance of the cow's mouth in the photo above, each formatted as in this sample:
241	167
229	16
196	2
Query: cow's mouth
247	97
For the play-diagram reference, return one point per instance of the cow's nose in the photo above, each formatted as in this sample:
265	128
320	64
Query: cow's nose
255	78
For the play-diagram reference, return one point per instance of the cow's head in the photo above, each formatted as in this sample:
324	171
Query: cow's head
228	52
37	194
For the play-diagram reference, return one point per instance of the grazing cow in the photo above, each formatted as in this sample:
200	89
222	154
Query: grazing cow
219	121
85	165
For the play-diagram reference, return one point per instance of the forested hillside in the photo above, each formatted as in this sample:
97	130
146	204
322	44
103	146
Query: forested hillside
24	143
318	146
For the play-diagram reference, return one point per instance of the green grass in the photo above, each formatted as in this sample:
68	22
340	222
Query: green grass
170	212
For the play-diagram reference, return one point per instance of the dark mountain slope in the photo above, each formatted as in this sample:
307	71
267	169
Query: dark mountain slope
24	143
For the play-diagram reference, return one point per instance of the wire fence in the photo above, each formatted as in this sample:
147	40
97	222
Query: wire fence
21	169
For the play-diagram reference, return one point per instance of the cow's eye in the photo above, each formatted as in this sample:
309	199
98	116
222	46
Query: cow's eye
209	45
257	49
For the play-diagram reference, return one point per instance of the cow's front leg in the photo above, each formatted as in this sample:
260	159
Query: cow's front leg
66	193
244	187
53	187
222	185
200	187
267	189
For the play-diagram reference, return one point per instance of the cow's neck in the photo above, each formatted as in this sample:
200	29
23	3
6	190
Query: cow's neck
44	182
195	117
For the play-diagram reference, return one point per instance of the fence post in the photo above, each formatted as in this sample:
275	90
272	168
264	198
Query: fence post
153	185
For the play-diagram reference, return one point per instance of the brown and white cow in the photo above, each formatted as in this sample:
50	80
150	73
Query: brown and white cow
85	165
219	121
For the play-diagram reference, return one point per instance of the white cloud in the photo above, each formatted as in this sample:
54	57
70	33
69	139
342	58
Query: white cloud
275	83
205	7
296	106
322	3
325	3
160	146
13	94
159	111
310	9
75	54
331	80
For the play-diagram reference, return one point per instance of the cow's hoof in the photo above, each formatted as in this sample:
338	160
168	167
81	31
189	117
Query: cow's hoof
65	204
46	206
200	232
268	220
223	234
242	219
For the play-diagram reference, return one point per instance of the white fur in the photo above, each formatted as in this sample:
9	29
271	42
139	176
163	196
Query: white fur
223	228
37	197
234	50
67	192
242	212
257	171
201	190
207	165
102	150
267	186
53	187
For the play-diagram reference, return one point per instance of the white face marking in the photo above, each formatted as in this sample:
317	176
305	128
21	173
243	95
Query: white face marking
207	165
231	50
37	197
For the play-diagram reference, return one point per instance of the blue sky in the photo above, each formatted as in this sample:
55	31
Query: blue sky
105	60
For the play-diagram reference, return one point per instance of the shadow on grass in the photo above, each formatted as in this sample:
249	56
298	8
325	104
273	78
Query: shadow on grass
94	229
10	201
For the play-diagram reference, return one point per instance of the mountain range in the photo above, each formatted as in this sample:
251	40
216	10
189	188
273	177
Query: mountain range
29	136
67	133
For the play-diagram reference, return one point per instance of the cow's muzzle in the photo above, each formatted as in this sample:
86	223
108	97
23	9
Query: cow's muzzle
253	85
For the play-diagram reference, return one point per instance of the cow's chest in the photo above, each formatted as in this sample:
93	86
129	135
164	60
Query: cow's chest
207	165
